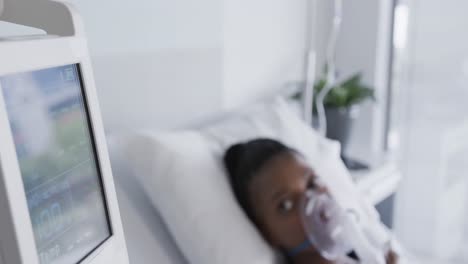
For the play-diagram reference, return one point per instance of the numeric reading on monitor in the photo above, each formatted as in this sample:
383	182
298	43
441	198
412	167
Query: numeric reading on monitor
58	163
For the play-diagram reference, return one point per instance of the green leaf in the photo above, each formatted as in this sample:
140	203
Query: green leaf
345	94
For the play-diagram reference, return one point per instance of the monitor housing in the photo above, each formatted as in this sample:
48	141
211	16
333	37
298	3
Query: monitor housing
64	45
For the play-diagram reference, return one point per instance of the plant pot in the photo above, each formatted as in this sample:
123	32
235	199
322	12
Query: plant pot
340	122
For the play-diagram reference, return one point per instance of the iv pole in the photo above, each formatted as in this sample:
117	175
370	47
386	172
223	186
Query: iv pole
310	61
331	66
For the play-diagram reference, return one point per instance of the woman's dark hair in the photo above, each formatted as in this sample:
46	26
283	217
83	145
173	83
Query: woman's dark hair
244	160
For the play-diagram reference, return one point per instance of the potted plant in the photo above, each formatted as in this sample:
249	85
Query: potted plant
342	105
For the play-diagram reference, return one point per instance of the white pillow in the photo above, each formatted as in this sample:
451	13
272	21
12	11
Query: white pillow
184	175
189	187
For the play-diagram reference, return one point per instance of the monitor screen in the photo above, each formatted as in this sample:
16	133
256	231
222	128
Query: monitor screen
57	158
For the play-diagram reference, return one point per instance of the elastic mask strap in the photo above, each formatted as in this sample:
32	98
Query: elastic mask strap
300	248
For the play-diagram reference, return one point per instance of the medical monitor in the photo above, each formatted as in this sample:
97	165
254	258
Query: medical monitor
57	197
58	162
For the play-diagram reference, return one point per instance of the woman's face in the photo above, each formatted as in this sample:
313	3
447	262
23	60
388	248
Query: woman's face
276	194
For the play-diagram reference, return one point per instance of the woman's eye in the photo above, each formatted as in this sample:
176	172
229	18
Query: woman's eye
286	206
312	185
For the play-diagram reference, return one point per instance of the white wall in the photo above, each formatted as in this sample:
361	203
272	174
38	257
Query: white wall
148	26
157	63
264	47
158	89
183	60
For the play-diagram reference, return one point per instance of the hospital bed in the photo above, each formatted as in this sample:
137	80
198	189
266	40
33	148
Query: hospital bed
149	239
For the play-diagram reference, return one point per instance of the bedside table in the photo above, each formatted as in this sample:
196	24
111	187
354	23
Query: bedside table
379	185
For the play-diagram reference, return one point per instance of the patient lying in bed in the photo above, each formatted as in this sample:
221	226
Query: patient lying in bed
271	181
